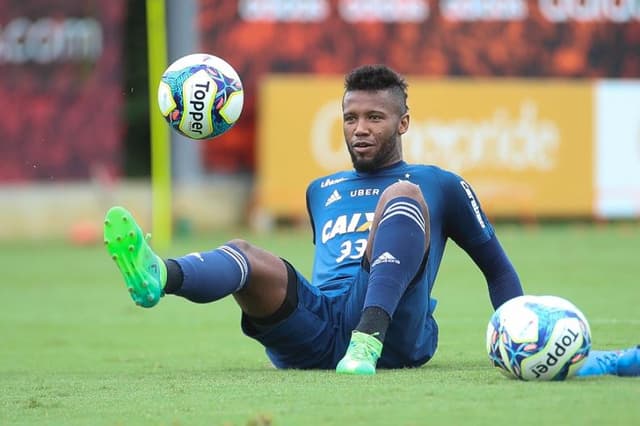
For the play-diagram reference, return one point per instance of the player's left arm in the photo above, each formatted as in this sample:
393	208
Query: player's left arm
470	228
502	279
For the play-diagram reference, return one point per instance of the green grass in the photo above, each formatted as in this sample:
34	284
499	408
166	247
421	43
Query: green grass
76	351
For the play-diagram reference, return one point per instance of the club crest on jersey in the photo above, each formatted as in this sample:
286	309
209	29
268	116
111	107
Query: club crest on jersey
346	224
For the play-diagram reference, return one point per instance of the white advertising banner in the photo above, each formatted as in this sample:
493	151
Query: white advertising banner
617	148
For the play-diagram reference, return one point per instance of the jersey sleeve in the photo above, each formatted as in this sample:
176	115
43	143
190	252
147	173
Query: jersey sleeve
465	222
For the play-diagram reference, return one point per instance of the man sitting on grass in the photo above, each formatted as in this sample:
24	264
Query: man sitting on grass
379	232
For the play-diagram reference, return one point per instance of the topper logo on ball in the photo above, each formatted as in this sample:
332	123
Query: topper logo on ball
557	351
197	103
191	100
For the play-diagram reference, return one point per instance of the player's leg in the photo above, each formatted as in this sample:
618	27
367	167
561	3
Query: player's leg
256	278
312	335
625	363
412	336
294	320
397	246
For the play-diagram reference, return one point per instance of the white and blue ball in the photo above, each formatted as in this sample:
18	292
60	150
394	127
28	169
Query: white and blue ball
201	96
538	338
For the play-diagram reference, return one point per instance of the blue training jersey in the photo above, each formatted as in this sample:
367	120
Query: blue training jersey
341	208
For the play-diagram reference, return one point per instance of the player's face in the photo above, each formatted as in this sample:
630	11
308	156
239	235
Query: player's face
373	122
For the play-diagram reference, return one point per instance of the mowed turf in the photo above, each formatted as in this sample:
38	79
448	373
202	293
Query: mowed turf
74	350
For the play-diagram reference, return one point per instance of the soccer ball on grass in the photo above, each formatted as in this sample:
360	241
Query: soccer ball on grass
538	338
200	96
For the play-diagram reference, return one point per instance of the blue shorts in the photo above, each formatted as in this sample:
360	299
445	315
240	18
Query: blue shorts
317	333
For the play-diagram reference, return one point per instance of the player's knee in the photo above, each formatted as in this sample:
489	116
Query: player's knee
261	262
246	251
403	189
243	245
257	258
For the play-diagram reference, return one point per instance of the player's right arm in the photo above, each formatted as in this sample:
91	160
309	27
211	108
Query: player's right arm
310	209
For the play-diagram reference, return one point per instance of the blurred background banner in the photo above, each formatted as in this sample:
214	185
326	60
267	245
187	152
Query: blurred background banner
61	85
501	91
434	38
535	102
617	128
526	145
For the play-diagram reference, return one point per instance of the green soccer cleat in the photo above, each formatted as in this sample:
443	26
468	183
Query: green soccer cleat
145	274
362	355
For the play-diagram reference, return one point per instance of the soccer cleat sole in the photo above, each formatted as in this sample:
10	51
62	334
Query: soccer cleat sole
356	371
125	244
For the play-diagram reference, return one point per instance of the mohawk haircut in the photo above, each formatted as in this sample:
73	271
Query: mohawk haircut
378	77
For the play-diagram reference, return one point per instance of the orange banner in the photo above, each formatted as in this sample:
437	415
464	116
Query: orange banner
525	145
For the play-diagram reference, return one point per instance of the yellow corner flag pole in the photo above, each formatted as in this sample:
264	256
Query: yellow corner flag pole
160	146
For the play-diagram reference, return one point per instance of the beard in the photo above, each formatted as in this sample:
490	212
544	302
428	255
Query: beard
384	157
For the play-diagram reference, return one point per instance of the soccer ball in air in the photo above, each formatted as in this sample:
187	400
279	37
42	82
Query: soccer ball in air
200	96
538	338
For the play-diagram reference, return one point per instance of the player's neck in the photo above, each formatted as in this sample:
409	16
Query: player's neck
390	166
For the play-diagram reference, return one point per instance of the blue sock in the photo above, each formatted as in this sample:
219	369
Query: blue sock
212	275
398	250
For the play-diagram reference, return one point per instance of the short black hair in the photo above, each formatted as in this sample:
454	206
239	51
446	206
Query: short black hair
377	77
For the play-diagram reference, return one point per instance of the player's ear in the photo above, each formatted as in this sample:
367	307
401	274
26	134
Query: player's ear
403	125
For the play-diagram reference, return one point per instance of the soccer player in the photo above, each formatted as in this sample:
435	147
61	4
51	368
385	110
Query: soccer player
379	232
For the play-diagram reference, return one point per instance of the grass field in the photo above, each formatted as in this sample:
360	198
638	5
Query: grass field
76	351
